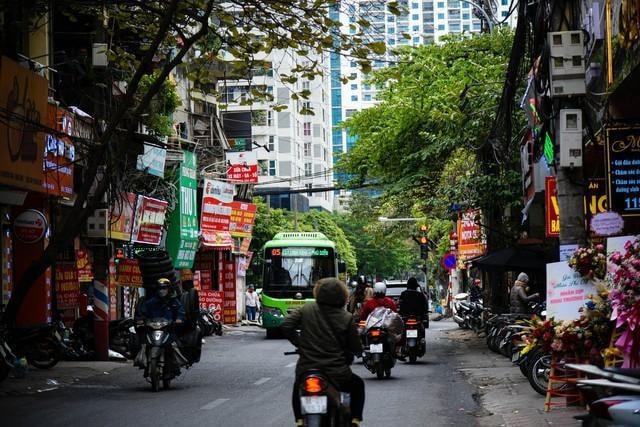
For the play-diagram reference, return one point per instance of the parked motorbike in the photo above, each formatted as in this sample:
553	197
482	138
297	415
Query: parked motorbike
160	356
321	401
461	310
75	348
413	339
123	338
7	358
612	395
208	324
41	346
378	355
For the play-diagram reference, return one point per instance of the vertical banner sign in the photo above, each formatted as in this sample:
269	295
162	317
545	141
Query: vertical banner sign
213	300
23	101
595	201
204	264
470	239
67	286
243	216
121	217
85	270
216	213
59	153
567	291
149	220
623	170
552	214
7	263
228	278
182	237
242	167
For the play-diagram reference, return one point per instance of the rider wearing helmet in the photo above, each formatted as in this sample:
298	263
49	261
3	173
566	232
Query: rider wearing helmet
413	302
357	297
162	305
379	300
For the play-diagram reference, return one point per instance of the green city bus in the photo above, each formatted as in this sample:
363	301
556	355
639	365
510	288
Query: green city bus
293	262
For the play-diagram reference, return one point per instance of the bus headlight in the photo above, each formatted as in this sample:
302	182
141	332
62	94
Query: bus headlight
272	312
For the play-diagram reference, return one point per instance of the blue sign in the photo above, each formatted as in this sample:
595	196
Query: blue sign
448	261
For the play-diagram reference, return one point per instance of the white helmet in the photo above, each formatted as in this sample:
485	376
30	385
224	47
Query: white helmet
380	289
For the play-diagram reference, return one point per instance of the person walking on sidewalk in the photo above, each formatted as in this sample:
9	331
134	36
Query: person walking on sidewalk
519	299
252	302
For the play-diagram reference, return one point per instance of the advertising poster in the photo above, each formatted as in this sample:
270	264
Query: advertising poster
67	286
128	273
242	167
23	95
148	221
228	286
470	238
567	291
85	270
215	217
623	170
121	218
243	215
552	209
152	161
213	300
59	153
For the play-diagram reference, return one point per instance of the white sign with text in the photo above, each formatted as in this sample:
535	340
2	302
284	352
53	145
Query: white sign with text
567	291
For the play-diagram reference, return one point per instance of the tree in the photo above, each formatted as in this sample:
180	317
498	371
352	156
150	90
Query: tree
421	142
147	41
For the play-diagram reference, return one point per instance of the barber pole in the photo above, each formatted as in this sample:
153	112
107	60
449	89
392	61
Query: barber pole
101	323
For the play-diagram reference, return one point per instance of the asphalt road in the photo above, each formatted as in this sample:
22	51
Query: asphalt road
243	380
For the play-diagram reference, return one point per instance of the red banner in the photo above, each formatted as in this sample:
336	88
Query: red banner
243	216
85	270
552	210
212	300
228	282
59	153
470	240
129	273
242	167
67	286
149	220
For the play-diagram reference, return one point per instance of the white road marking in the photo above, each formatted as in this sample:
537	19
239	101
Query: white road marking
262	381
291	365
214	404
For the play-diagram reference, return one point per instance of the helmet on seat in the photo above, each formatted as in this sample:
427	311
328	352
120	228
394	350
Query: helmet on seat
379	289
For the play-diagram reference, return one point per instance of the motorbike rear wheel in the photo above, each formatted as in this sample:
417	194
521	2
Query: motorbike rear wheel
538	370
154	374
379	372
43	354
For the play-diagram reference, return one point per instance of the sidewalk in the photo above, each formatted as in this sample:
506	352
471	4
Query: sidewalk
504	394
64	373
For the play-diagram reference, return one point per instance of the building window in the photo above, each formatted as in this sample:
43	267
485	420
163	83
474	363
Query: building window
272	143
441	4
306	105
504	13
353	64
415	16
441	27
465	16
391	30
306	128
309	187
307	149
367	97
306	85
263	167
416	28
307	169
476	25
272	168
269	118
354	97
392	42
354	86
465	27
505	2
441	16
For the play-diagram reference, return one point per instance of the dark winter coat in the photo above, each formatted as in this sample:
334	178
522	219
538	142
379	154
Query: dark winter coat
413	303
166	308
519	299
328	335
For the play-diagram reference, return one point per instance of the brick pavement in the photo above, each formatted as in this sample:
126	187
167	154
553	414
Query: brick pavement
504	394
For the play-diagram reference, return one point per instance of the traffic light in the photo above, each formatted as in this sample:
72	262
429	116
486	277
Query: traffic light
424	242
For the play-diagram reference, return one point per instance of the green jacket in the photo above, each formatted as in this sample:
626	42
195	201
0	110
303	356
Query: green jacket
318	342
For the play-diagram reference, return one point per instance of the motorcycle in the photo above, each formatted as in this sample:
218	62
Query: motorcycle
378	355
123	338
7	358
321	401
413	339
461	310
42	346
160	356
613	399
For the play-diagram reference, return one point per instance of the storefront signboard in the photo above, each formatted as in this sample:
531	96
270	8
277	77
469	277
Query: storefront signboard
67	286
152	161
228	285
128	273
552	209
242	167
214	301
470	239
148	221
85	270
30	226
216	212
23	95
243	216
623	170
567	291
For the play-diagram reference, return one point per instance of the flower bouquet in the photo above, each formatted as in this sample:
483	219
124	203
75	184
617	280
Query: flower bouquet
590	262
625	301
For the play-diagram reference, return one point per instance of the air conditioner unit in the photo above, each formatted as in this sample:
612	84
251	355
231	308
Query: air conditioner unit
97	224
570	138
567	63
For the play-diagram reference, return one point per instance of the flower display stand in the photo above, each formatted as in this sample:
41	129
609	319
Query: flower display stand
561	388
613	357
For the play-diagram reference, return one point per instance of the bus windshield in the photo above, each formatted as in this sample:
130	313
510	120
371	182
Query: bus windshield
289	270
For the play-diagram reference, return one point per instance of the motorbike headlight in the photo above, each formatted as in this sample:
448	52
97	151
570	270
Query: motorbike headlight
157	323
157	335
272	311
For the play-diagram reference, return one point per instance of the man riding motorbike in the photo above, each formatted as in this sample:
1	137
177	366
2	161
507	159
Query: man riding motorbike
327	341
380	299
162	305
414	303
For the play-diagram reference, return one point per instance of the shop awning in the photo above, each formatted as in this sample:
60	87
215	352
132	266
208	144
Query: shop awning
511	259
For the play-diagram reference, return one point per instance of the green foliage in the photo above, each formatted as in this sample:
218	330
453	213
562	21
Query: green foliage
157	117
424	140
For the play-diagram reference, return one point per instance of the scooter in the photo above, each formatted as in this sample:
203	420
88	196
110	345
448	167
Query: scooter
461	310
613	399
321	401
41	346
160	356
414	339
378	355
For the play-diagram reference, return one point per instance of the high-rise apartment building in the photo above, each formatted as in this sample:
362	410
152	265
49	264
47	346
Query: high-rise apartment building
422	22
293	149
